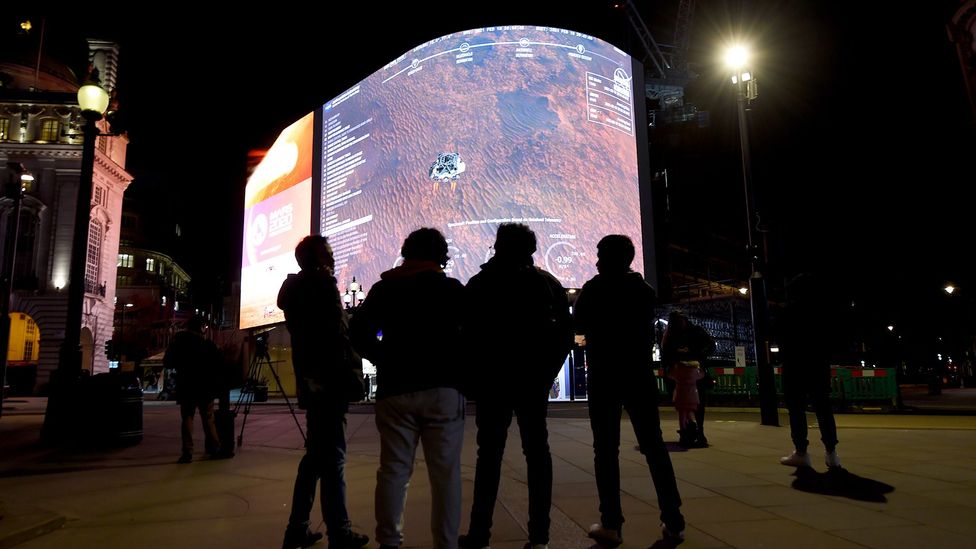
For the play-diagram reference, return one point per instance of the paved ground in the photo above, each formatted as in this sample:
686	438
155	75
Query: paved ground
910	481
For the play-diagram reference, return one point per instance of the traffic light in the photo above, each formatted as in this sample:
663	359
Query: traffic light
109	349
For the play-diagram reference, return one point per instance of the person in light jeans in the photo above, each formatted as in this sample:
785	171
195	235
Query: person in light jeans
436	418
418	378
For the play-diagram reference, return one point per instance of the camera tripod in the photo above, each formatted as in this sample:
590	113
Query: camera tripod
260	359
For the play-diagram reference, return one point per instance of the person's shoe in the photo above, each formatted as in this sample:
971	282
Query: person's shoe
796	459
687	435
832	459
294	540
672	536
701	442
185	457
348	540
605	537
465	541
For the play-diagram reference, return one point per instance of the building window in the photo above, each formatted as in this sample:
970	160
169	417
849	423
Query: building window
50	130
92	270
150	265
28	350
4	129
161	270
125	260
98	195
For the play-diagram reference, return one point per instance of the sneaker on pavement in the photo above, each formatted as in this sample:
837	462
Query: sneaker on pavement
672	536
606	537
348	540
796	459
832	459
294	539
465	541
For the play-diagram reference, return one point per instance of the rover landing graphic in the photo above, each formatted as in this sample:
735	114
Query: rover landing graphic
447	167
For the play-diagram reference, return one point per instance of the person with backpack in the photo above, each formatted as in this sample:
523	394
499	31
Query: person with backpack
519	330
614	313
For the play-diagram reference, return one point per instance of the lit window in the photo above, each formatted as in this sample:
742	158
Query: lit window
50	130
4	129
92	267
125	260
150	265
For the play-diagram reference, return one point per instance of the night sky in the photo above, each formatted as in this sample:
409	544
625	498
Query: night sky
862	143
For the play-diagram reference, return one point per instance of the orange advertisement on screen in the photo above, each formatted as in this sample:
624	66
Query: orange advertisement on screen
287	163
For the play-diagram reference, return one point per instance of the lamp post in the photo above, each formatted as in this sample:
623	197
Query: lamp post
736	59
93	101
354	294
19	181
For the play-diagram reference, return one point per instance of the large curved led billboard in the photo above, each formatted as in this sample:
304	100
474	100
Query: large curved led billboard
527	124
470	130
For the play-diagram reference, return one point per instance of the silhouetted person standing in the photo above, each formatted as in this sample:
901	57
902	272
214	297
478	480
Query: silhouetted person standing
615	313
520	331
684	348
806	368
318	327
418	310
197	362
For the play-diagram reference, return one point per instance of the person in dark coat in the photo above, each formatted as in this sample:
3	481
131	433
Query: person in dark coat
318	327
806	368
615	314
197	362
684	347
418	309
519	331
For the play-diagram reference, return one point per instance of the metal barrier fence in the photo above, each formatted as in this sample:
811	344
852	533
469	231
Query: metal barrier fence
848	385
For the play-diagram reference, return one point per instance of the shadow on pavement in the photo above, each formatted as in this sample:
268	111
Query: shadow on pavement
841	482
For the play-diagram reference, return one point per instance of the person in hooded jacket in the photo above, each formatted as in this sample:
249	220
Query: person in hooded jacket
318	326
520	331
419	371
614	312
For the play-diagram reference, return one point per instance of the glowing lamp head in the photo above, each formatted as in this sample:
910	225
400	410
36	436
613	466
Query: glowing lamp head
93	100
736	57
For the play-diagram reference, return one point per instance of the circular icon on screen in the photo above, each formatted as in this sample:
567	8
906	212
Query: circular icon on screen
414	63
561	260
580	49
257	231
524	42
465	47
621	76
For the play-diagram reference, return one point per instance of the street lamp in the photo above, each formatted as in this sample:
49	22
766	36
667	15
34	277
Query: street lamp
19	181
93	101
737	60
354	294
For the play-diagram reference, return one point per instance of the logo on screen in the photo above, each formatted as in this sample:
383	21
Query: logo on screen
257	231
